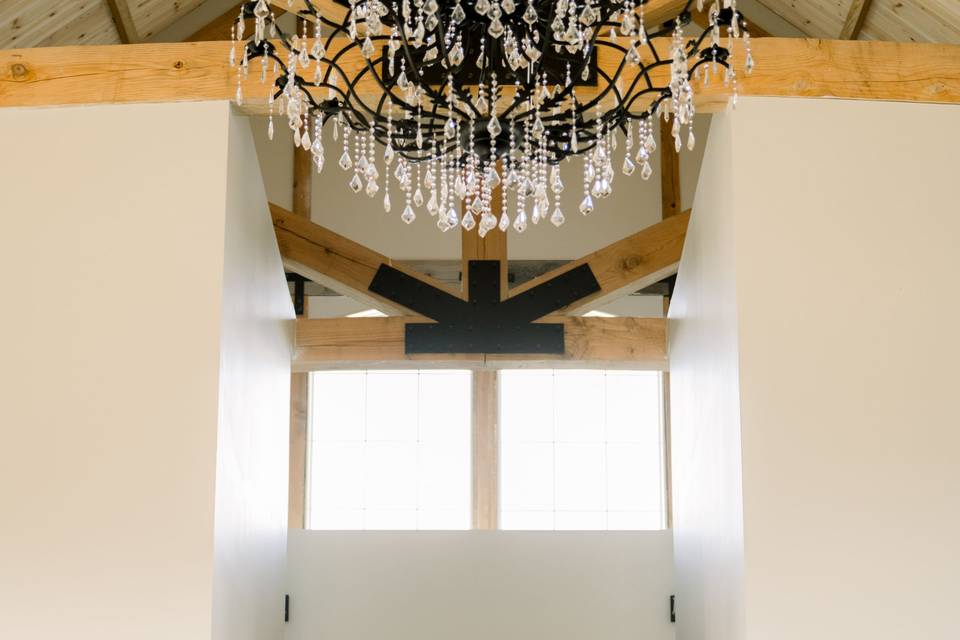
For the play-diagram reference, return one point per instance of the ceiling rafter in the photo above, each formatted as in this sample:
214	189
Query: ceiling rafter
122	17
855	19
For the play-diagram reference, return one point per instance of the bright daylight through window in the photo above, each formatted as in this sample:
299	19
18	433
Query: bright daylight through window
578	450
581	450
389	450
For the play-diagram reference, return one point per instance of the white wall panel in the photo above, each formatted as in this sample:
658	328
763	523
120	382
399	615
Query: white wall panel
479	585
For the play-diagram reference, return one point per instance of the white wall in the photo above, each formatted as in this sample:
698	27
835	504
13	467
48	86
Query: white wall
113	265
250	533
705	413
480	585
844	242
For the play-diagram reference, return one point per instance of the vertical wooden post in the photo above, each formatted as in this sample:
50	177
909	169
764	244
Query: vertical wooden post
486	449
669	173
299	382
491	247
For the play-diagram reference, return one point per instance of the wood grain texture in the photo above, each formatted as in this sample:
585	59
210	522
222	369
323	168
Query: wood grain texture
786	67
364	343
52	23
299	411
485	413
627	265
655	11
855	18
669	173
120	11
921	21
816	18
337	262
153	16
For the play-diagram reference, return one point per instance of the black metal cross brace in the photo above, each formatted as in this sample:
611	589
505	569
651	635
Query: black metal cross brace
484	323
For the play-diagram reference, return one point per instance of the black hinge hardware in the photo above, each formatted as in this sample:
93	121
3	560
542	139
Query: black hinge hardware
286	607
673	608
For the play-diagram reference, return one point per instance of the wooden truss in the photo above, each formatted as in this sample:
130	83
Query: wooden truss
200	71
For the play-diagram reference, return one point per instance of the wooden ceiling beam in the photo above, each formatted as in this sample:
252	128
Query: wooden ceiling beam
855	17
655	11
337	262
122	17
627	265
786	67
220	28
347	343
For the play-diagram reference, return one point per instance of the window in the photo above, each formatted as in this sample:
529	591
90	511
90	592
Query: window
581	450
389	450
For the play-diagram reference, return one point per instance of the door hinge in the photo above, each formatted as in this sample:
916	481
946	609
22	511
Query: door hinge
673	608
286	607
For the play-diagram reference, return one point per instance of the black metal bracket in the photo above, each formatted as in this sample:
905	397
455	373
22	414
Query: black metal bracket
299	287
483	323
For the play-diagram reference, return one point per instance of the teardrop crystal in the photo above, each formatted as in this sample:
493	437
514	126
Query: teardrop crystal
356	184
408	215
586	205
493	127
557	218
345	162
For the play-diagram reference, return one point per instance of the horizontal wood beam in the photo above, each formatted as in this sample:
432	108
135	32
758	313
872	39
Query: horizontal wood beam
337	262
786	67
627	265
655	11
351	343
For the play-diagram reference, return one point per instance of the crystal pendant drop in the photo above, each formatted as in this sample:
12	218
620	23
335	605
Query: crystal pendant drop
468	222
432	206
504	222
586	205
538	127
356	184
493	178
535	214
345	162
748	63
691	141
496	28
450	129
646	171
493	127
418	197
408	215
388	154
456	56
508	6
270	129
628	166
520	222
557	218
367	49
530	15
386	202
458	15
482	6
372	188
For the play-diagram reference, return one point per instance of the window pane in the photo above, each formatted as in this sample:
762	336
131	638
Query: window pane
389	450
581	450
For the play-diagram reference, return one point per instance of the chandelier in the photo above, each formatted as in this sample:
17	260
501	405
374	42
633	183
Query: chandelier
463	97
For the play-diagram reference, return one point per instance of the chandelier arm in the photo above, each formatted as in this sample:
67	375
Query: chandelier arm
427	89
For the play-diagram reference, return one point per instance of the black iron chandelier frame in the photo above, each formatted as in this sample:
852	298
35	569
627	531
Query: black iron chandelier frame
351	108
